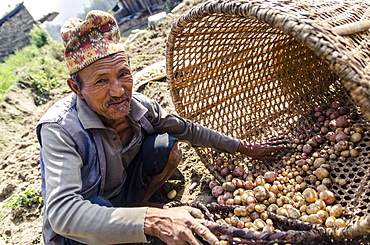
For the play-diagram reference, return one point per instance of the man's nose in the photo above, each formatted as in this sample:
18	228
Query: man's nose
116	88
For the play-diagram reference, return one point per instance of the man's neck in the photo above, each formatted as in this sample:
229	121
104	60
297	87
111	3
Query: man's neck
122	127
115	123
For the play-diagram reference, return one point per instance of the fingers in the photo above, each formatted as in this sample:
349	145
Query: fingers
178	225
196	213
274	138
266	143
274	142
267	158
278	142
205	233
198	228
275	148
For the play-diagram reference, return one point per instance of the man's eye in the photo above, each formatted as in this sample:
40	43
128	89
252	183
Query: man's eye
99	81
124	74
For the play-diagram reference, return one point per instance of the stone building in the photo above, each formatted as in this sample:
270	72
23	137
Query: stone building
15	30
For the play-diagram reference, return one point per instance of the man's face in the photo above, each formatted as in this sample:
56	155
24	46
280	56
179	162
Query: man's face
107	86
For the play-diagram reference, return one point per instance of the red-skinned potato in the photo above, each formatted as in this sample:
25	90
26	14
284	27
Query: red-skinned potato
327	196
238	171
212	184
217	191
238	182
219	161
255	215
228	195
251	199
270	176
221	200
341	121
231	166
335	104
248	185
224	172
341	137
307	148
319	108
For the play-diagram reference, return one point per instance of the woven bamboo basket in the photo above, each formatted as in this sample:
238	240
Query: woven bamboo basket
252	69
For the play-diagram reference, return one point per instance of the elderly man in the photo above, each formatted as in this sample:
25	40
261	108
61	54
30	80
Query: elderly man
106	149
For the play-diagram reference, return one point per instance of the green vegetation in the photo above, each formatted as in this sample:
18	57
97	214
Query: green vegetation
20	206
40	65
6	82
140	58
10	66
25	199
39	36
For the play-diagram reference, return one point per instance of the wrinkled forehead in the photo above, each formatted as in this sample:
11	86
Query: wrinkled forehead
110	65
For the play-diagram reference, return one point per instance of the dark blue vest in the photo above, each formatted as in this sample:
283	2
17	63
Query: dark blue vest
88	143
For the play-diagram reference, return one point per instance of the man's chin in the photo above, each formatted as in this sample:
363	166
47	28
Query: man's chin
117	114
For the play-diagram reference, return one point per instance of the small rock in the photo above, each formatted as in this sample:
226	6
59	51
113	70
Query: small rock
156	19
6	190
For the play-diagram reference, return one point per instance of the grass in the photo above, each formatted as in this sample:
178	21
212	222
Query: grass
10	66
43	68
139	59
6	82
41	65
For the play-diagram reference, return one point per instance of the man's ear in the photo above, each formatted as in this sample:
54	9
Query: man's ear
73	86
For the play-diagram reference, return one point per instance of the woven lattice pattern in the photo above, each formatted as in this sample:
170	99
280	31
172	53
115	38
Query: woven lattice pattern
251	69
249	62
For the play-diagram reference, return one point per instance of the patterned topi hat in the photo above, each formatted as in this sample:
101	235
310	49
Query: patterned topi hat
87	41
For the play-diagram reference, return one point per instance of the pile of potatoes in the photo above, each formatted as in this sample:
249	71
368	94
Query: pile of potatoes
301	188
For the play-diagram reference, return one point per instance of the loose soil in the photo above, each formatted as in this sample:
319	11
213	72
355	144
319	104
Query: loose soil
19	148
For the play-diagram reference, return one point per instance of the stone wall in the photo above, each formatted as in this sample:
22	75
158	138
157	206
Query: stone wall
15	28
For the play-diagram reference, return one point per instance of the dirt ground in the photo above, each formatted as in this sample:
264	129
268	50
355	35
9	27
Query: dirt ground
19	148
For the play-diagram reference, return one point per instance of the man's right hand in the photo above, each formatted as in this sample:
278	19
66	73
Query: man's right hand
177	226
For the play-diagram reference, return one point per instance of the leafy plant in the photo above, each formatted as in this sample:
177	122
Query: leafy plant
6	81
139	59
23	200
43	86
39	36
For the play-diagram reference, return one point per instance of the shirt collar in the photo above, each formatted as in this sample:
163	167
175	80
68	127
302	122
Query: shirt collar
90	119
137	109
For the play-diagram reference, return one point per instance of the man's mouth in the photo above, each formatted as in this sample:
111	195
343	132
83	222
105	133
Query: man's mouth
119	103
